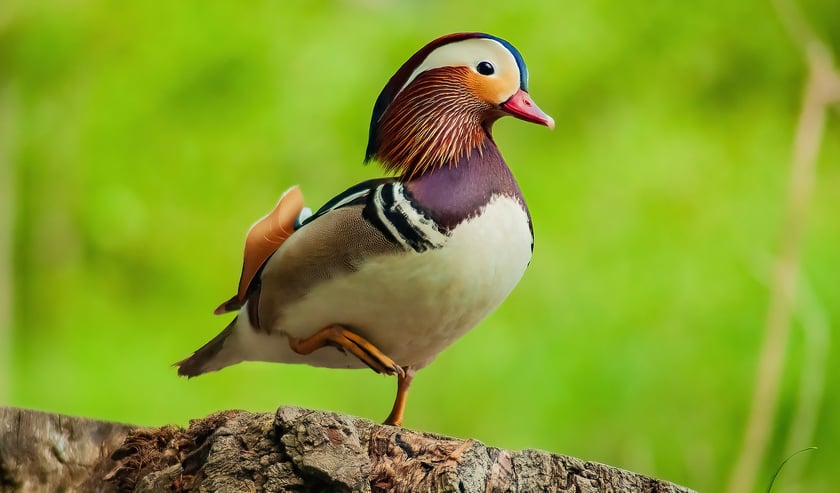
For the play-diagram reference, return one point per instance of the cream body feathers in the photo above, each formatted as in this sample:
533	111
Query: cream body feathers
410	305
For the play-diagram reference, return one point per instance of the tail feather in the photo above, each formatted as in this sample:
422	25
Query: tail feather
208	357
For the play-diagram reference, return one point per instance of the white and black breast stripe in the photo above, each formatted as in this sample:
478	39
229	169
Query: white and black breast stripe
391	211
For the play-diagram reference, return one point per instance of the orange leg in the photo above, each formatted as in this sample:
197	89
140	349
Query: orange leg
403	383
358	346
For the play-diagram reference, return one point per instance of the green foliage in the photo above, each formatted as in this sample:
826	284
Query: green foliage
149	135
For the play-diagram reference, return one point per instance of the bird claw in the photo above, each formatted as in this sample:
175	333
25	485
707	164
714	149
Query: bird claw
379	361
348	341
397	370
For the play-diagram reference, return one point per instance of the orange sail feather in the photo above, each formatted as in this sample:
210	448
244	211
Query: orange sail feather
264	238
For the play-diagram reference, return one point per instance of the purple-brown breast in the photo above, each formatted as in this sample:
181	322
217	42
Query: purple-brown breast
453	194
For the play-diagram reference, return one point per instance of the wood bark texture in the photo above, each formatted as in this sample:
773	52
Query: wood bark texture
292	450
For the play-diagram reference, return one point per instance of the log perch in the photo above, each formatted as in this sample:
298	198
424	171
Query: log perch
292	450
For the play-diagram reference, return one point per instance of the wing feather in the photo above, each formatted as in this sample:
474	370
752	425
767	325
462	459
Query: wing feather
264	238
272	231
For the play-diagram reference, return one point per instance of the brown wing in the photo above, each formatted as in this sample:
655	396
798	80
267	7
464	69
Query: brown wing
264	238
331	246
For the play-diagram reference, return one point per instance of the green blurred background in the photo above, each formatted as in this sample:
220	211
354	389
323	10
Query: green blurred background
139	140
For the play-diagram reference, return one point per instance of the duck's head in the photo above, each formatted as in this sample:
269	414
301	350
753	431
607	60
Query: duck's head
441	104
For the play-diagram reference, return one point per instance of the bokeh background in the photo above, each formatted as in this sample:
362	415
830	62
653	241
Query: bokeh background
139	140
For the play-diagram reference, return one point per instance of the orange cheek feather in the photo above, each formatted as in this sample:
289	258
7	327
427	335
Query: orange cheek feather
494	90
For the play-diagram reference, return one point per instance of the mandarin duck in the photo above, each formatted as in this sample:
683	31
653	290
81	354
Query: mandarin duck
393	270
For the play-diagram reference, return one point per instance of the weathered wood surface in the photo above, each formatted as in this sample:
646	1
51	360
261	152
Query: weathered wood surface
50	452
293	449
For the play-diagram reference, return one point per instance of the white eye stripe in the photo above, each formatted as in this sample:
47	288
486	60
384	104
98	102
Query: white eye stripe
469	53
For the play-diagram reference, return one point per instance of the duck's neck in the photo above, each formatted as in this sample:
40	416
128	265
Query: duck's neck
433	123
454	193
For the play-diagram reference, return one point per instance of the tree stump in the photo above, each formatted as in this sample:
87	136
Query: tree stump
294	449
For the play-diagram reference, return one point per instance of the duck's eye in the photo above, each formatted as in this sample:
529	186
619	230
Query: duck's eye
485	68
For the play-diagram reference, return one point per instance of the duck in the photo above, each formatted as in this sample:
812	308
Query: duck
393	270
